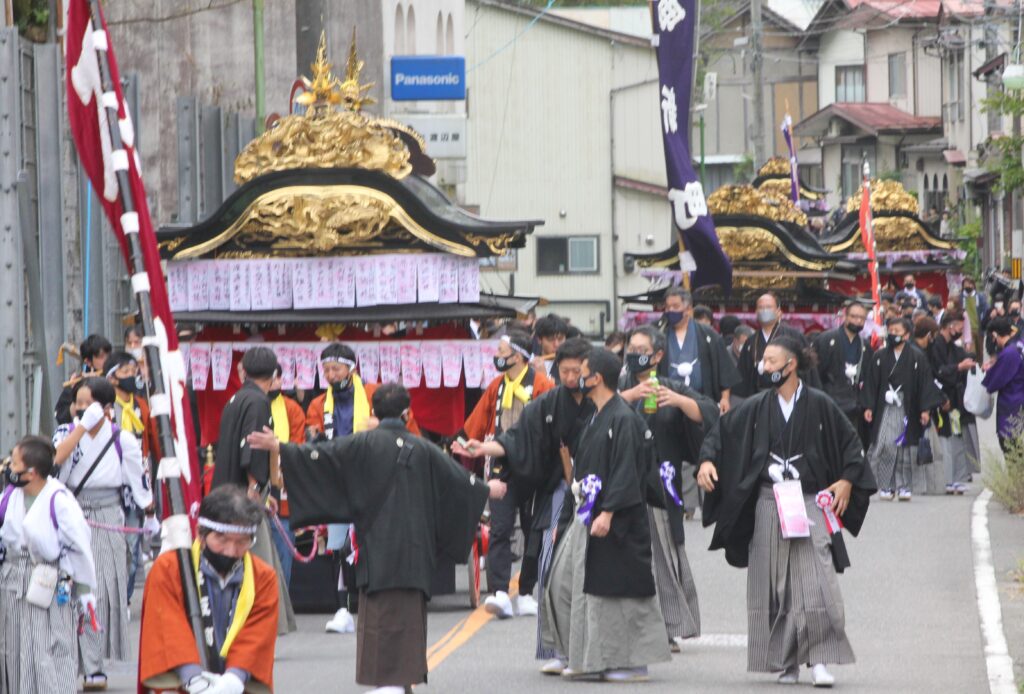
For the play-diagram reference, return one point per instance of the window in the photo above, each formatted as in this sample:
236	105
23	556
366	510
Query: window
897	75
955	86
399	31
853	166
572	254
410	31
850	83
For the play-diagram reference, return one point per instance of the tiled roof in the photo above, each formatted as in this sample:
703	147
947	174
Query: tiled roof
876	119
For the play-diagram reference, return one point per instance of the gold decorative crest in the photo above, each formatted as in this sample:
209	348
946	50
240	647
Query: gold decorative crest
886	196
325	137
748	200
750	243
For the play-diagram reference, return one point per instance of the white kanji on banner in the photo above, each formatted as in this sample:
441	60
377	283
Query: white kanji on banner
669	110
670	13
688	205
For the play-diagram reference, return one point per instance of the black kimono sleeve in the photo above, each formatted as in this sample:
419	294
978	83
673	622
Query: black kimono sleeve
253	416
847	455
727	376
528	444
459	501
928	394
628	457
747	369
315	478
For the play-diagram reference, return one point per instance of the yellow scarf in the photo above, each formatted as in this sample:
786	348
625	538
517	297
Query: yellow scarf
360	405
279	413
129	419
246	597
514	388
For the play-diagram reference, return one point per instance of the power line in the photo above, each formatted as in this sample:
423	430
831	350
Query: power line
210	7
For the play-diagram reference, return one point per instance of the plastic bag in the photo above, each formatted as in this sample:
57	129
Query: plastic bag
977	400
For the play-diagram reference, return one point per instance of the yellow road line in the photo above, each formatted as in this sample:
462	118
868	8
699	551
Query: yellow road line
461	633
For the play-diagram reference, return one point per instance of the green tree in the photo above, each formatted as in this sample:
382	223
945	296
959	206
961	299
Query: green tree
1006	160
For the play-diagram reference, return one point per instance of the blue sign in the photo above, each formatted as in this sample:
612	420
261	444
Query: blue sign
428	78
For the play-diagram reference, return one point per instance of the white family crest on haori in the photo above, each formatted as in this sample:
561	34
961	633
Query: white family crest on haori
670	13
688	205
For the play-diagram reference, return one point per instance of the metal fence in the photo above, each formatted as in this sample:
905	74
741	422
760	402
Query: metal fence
60	269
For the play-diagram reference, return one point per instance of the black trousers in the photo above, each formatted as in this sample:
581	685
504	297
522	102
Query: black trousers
499	554
861	426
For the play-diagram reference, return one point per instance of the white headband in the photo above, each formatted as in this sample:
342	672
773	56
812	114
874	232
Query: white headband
340	360
227	529
516	348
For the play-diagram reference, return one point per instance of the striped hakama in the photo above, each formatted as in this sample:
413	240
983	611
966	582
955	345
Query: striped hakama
37	646
893	465
547	553
597	633
677	593
794	608
110	554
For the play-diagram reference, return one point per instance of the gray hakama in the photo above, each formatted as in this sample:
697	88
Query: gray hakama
37	646
264	549
677	593
110	554
597	633
547	552
794	608
892	464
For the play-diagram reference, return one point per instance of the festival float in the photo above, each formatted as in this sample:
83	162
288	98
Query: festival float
775	177
765	236
904	244
336	233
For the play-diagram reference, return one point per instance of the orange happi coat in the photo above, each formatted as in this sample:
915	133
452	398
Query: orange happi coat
167	641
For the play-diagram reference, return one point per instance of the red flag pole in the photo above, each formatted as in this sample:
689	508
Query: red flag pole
867	236
165	431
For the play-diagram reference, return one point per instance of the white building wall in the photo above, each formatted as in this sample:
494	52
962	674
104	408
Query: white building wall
540	144
837	48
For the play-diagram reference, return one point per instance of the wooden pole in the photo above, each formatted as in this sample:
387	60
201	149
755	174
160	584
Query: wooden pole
163	422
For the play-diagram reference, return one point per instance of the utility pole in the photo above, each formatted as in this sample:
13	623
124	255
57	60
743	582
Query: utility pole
756	65
257	32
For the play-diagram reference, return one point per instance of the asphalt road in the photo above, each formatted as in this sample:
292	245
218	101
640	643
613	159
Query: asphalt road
910	609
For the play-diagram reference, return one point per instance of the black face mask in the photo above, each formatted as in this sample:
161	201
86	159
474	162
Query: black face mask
638	363
853	329
673	318
953	337
909	285
1014	313
129	384
893	341
221	563
772	379
338	388
274	394
584	388
15	479
502	364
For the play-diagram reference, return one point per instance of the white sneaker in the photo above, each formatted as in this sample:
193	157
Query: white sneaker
387	690
500	605
959	488
526	606
886	495
342	623
791	675
555	666
96	682
820	677
626	675
905	494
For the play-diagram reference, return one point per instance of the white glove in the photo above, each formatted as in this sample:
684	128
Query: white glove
228	684
151	527
202	683
92	416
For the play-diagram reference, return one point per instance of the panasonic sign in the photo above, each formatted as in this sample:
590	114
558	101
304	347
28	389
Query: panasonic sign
428	78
